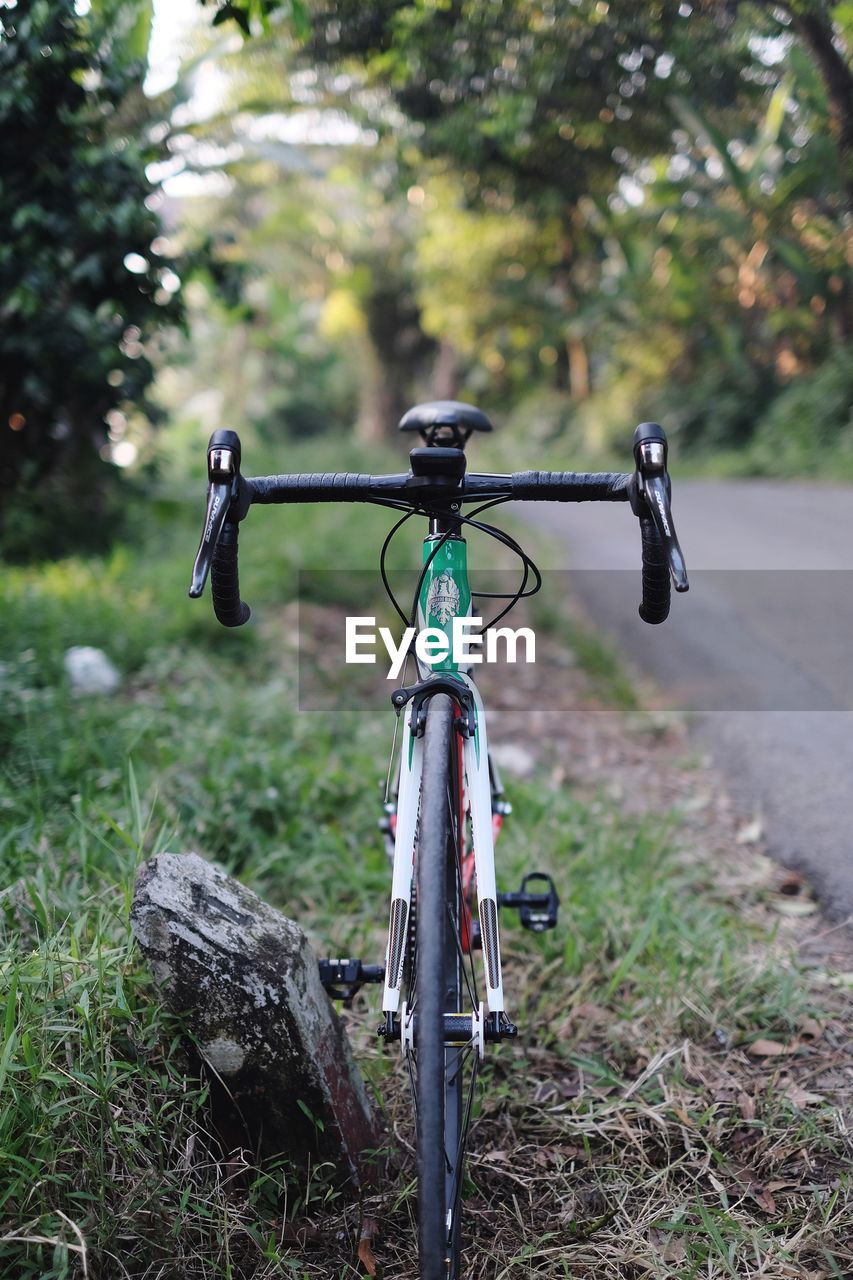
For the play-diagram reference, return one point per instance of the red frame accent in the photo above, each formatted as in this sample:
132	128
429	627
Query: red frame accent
468	863
467	859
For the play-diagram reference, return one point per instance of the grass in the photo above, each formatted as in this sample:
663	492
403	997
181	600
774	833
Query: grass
630	1133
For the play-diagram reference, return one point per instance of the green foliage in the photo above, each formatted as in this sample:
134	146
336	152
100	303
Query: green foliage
74	203
254	16
487	284
551	101
81	505
310	319
620	195
808	429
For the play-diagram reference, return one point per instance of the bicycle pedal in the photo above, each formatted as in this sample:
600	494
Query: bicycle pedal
537	911
344	978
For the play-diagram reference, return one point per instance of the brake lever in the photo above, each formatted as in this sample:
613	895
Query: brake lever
650	453
657	500
223	493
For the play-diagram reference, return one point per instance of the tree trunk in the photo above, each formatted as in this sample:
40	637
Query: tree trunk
446	374
382	401
820	35
246	983
817	33
578	369
395	350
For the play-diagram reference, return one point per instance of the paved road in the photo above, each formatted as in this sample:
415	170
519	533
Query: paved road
760	650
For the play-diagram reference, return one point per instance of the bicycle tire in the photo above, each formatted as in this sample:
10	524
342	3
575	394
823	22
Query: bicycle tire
440	1068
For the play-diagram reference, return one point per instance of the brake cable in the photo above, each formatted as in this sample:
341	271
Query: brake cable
500	535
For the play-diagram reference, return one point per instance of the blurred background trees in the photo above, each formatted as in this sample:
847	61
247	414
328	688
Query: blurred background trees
576	214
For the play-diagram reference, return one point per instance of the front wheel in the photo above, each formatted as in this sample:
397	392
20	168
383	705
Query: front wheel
440	981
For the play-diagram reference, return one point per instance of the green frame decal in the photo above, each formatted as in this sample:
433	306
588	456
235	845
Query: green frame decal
446	594
445	591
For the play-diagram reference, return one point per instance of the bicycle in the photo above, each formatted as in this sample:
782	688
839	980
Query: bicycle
448	807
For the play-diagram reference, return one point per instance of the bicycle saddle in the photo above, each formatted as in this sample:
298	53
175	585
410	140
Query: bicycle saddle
445	421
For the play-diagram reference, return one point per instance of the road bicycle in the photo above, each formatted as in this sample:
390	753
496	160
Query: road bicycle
448	806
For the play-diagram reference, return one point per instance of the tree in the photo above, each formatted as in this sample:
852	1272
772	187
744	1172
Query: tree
824	28
539	124
752	266
540	108
81	283
495	82
323	326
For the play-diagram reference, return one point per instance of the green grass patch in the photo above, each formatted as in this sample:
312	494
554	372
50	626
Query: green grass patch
613	1160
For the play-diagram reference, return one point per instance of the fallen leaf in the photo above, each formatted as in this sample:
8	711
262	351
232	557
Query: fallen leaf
546	1091
674	1250
759	1190
801	1097
570	1086
762	1197
746	1105
751	833
366	1256
769	1048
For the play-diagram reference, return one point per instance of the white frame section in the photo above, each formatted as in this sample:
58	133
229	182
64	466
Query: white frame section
478	790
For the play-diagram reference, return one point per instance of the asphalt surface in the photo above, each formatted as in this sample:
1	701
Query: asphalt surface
760	651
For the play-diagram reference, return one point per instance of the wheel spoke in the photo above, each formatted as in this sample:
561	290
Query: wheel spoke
458	1164
466	970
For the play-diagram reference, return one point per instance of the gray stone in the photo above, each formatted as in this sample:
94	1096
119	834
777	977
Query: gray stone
514	758
89	670
246	982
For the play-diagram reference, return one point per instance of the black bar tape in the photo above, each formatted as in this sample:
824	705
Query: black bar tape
570	486
224	580
336	486
656	585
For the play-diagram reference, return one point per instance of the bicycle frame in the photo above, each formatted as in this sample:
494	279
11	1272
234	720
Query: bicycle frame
444	765
445	594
